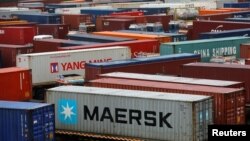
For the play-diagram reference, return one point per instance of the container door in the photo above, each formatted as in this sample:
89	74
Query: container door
203	117
230	112
43	124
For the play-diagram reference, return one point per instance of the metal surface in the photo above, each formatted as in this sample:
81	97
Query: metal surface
229	103
40	18
245	50
26	121
227	33
208	48
58	31
115	109
47	67
15	84
166	64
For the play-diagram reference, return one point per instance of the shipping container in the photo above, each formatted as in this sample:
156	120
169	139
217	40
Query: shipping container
44	18
58	31
99	12
47	45
9	53
47	67
245	51
163	19
198	26
7	12
74	20
17	35
238	19
237	5
1	60
15	84
137	47
116	24
231	72
137	19
166	64
229	103
161	39
27	121
97	38
140	114
227	33
174	79
207	48
176	37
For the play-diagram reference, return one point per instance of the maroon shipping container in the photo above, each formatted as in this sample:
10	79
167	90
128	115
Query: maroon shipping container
229	72
168	67
163	19
9	53
116	24
17	35
15	84
247	61
99	19
215	17
136	46
46	45
245	50
74	20
208	26
58	31
229	103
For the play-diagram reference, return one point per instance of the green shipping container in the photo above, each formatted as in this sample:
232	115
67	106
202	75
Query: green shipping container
207	48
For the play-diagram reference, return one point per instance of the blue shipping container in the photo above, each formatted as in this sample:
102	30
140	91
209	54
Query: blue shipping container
27	121
149	11
176	37
143	60
237	5
76	43
99	12
96	38
40	18
227	33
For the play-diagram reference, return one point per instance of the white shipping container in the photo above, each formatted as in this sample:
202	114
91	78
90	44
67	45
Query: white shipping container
47	67
77	10
142	114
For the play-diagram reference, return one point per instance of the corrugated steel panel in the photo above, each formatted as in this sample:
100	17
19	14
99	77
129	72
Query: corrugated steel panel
166	64
230	72
227	33
74	20
173	79
47	66
17	35
136	46
59	31
176	37
229	103
245	50
238	19
9	53
15	84
26	121
97	38
208	48
161	39
116	24
115	109
40	18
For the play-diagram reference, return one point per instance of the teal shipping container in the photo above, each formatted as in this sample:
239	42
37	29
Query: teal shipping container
207	48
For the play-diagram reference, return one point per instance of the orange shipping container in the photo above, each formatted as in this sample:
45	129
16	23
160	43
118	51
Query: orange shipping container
15	84
209	11
229	103
162	39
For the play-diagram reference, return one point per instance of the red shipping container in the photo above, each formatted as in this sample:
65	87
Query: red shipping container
247	61
99	23
229	72
116	24
136	46
15	84
9	53
74	20
245	50
163	19
17	35
198	26
129	13
46	45
229	103
59	31
169	67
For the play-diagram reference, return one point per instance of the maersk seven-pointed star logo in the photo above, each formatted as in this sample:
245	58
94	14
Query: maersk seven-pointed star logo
67	111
